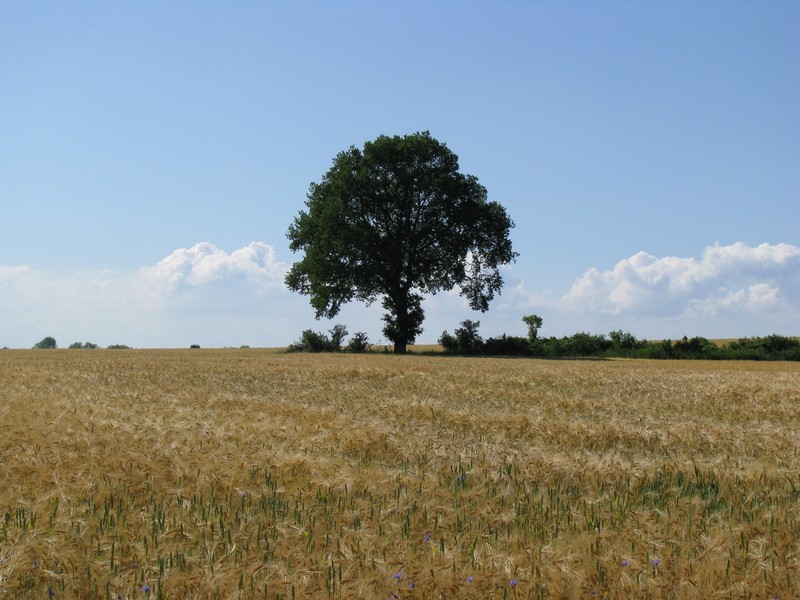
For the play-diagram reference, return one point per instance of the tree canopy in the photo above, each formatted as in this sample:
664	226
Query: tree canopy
395	221
47	343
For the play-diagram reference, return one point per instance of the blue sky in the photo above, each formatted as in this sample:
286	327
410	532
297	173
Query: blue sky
153	154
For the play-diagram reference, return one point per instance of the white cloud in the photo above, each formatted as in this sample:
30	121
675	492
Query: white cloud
725	278
204	263
726	291
8	274
208	296
200	295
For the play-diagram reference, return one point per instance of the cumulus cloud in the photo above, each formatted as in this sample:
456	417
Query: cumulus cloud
729	291
200	295
725	279
204	263
213	297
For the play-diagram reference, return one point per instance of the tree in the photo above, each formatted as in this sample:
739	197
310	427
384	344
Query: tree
338	333
534	322
82	346
46	343
358	343
469	340
395	221
466	340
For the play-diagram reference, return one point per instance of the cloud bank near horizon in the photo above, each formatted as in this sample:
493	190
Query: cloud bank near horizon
733	291
734	278
206	295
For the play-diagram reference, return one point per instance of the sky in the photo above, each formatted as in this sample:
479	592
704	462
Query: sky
153	155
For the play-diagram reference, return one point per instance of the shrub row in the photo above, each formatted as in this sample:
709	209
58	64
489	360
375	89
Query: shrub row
315	341
466	340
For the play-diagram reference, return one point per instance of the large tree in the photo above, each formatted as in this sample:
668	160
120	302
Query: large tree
394	221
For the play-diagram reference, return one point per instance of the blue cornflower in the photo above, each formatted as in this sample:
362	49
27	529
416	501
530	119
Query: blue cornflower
656	562
428	537
411	586
625	563
145	589
470	579
514	582
398	575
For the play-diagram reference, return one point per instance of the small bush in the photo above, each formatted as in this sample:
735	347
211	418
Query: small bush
312	341
359	343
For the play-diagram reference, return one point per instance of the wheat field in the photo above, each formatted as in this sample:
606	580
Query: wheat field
253	474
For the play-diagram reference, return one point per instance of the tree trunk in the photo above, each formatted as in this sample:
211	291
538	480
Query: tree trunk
401	306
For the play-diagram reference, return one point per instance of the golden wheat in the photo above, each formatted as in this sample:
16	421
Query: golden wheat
244	473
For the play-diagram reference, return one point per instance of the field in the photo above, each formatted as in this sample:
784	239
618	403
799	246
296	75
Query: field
254	474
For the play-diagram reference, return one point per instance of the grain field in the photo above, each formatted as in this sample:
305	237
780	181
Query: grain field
253	474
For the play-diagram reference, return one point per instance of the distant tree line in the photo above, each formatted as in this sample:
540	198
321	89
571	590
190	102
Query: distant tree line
83	346
49	343
466	340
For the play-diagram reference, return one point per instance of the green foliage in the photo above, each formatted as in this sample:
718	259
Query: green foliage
448	342
534	322
695	347
467	337
338	333
359	343
312	341
466	340
47	343
507	346
621	340
82	346
315	341
395	221
119	347
586	344
771	347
